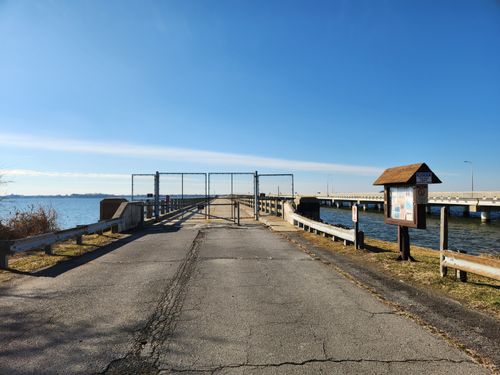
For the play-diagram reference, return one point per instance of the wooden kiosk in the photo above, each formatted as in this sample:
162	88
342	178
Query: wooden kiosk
405	198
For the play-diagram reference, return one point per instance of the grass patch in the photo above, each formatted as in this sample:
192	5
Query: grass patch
478	292
35	260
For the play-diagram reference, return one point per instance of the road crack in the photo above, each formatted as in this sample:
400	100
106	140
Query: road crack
151	340
214	370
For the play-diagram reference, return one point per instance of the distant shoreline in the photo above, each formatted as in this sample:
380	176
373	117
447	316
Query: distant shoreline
96	195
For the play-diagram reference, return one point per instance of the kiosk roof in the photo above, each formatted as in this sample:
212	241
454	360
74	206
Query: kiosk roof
405	174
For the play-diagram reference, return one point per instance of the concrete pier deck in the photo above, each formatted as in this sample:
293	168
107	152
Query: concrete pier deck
197	296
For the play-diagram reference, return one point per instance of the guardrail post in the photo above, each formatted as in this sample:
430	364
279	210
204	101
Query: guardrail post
4	254
48	250
443	240
461	275
360	235
78	239
4	261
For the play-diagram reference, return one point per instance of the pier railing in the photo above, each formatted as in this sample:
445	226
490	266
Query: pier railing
282	207
172	205
348	236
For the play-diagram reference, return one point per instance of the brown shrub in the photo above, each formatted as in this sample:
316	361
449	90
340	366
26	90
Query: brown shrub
30	222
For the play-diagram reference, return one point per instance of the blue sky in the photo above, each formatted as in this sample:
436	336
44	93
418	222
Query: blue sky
332	91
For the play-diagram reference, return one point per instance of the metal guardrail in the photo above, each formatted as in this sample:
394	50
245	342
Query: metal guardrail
468	263
461	262
46	240
347	235
274	205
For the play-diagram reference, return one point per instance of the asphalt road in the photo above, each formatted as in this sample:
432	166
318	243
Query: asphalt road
202	297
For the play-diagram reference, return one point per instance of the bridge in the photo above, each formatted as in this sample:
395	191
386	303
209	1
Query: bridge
196	293
480	201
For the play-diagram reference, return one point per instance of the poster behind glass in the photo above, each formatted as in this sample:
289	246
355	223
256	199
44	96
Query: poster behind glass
401	203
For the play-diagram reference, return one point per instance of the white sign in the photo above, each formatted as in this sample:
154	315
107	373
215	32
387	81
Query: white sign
401	202
424	178
355	214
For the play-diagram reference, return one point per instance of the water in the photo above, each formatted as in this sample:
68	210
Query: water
464	233
70	211
467	234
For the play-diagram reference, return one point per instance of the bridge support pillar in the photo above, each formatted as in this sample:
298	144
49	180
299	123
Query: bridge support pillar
338	204
379	206
485	216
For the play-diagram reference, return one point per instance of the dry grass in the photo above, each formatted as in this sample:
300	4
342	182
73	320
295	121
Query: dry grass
478	292
35	260
29	222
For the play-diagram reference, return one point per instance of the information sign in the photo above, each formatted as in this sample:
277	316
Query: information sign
401	203
423	178
355	213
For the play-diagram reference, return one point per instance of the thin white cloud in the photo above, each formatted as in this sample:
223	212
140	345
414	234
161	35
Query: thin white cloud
178	154
34	173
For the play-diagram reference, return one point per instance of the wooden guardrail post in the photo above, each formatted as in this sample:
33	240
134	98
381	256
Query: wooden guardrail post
461	275
4	254
48	250
443	240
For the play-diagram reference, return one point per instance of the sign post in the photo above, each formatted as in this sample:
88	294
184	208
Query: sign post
405	198
356	225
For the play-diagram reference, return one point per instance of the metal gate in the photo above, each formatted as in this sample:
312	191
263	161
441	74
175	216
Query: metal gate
210	199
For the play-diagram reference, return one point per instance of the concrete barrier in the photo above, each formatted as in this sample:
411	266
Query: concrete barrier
130	214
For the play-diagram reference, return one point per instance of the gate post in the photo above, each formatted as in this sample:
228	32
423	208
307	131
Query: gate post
157	196
256	195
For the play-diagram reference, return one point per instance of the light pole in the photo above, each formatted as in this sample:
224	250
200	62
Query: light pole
328	185
471	176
